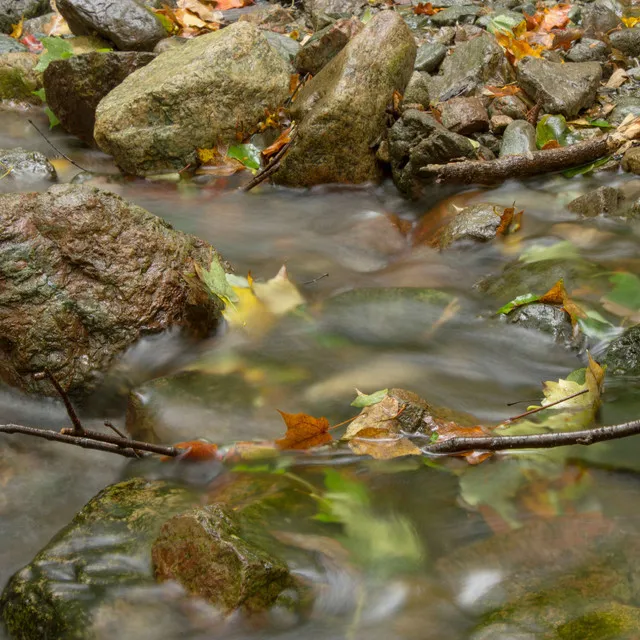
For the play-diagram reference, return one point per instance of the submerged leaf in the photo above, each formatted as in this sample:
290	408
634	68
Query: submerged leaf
304	431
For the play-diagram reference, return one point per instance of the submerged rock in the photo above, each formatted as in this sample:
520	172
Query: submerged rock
75	86
105	545
25	166
86	274
604	200
623	355
191	97
203	550
11	11
18	78
473	224
126	23
341	111
418	139
560	88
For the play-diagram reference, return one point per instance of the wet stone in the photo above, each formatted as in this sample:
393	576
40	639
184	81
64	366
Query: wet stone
11	11
560	88
604	200
519	138
598	18
624	106
587	50
623	354
323	12
456	15
499	123
489	141
287	47
627	41
174	42
464	115
417	91
18	79
430	56
473	224
25	166
511	106
10	45
631	160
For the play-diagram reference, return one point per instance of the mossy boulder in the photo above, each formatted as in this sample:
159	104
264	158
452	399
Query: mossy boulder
106	546
18	78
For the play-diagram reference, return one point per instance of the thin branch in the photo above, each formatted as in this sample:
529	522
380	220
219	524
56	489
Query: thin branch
66	157
113	428
324	275
536	441
78	429
542	408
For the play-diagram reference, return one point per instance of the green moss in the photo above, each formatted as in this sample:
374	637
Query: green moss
612	623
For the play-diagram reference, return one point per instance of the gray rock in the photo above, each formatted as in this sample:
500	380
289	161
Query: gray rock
286	47
604	200
634	73
489	141
272	16
342	111
465	14
519	138
464	115
326	44
127	23
75	86
623	355
18	78
323	12
511	106
473	224
85	275
473	64
587	50
191	97
549	319
598	19
624	106
631	160
11	11
10	45
560	88
166	44
25	166
417	91
418	139
430	56
627	41
499	123
36	26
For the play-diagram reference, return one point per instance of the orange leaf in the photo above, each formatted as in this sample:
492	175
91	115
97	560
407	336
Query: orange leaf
510	221
555	18
551	144
507	90
449	430
223	5
282	139
558	295
196	450
304	431
16	30
425	9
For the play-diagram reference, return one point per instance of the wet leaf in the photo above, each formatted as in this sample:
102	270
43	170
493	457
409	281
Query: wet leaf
551	128
304	431
382	444
501	92
425	9
505	24
196	450
216	162
585	168
519	301
215	279
16	29
225	5
279	295
537	253
363	400
516	48
595	326
283	139
54	49
631	21
53	118
617	79
510	221
247	154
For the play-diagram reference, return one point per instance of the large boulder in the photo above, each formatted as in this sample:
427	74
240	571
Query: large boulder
11	11
126	23
341	111
75	86
189	97
473	64
84	275
560	88
18	77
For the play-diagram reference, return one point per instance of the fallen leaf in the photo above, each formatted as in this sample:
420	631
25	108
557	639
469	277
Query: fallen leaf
363	400
215	279
617	79
304	431
501	92
631	21
510	221
283	139
425	9
195	450
16	29
279	295
224	5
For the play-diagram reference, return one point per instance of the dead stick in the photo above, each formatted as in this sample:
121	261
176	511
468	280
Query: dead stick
542	408
536	441
66	157
78	429
161	449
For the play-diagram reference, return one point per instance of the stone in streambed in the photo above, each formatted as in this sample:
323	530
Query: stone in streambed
602	201
323	12
325	44
623	354
588	50
127	23
18	78
511	106
627	41
75	86
10	45
473	224
25	166
465	14
631	160
464	115
471	66
85	275
342	111
11	12
519	138
418	139
598	18
429	57
203	550
560	88
417	91
624	106
191	97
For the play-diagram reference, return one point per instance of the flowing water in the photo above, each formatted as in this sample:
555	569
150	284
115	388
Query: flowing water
429	560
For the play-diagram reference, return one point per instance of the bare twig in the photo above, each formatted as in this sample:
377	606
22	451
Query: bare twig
542	408
78	429
111	426
536	441
53	146
324	275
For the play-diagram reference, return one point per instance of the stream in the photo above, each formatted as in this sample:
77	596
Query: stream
333	240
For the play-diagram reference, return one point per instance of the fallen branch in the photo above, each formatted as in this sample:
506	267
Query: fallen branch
536	441
78	429
531	164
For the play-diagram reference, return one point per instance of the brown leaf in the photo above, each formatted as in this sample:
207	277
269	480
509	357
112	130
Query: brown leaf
195	450
272	149
304	431
501	92
382	444
425	9
510	221
224	5
558	295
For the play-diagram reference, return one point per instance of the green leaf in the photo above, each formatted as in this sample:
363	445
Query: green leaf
215	279
537	253
248	154
54	49
53	118
363	400
585	168
601	122
595	326
626	290
551	127
367	15
526	298
504	23
41	94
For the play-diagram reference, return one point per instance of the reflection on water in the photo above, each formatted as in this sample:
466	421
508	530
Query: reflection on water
229	388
